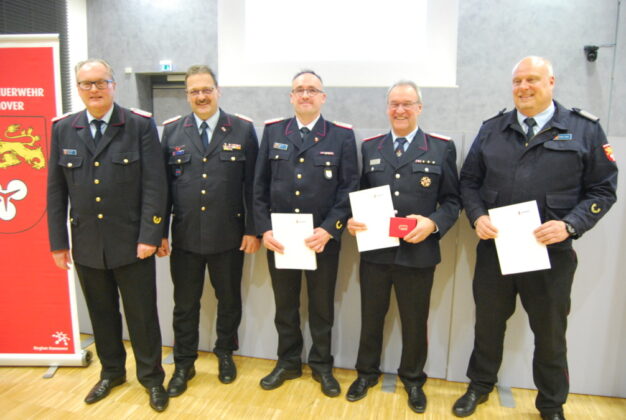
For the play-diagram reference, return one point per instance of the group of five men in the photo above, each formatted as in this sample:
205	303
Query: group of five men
211	181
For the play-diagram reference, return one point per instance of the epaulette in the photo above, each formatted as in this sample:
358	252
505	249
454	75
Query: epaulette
60	117
375	137
141	112
343	125
243	117
274	120
499	114
440	136
171	120
586	114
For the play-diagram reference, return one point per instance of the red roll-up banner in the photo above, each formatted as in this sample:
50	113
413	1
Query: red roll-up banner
38	317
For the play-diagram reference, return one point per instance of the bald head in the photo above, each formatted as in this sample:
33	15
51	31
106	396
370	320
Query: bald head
532	83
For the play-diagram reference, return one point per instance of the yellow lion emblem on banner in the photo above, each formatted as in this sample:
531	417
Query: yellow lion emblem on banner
20	146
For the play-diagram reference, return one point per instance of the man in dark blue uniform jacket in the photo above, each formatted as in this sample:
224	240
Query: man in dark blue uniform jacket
210	172
560	158
105	162
305	165
421	171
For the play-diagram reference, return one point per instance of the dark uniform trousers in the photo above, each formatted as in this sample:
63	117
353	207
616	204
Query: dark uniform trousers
136	283
321	305
188	273
545	295
412	288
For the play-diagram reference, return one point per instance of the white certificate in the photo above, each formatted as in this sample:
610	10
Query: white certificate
291	229
374	207
518	249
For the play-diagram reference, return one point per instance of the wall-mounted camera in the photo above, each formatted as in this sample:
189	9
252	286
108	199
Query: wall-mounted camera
591	51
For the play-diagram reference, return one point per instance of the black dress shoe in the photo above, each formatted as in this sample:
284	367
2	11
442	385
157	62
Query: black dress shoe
552	416
330	386
227	368
178	383
102	389
158	398
466	405
359	387
417	398
278	376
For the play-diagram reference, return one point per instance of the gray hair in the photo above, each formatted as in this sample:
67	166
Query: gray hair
106	65
409	83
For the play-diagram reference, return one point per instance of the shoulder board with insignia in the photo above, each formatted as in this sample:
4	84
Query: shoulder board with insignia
171	120
586	114
274	120
343	125
60	117
499	114
372	138
141	112
243	117
440	136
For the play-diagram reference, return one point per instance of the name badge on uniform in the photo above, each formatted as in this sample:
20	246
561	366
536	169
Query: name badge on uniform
566	136
71	152
280	146
375	161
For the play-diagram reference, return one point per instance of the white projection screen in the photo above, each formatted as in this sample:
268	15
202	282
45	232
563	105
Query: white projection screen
350	42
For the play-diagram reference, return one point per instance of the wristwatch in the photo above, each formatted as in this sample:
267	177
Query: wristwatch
570	229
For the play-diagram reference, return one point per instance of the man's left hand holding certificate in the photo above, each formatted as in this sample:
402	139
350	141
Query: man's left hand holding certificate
291	230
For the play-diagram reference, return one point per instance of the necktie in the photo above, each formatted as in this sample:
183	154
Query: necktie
98	135
304	132
205	134
400	142
530	122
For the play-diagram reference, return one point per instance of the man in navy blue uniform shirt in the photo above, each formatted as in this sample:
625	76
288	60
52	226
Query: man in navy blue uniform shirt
106	168
305	165
420	169
559	157
210	157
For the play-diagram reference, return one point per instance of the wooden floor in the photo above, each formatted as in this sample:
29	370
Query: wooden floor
24	394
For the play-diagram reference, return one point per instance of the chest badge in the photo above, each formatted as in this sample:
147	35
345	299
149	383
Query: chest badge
426	181
328	173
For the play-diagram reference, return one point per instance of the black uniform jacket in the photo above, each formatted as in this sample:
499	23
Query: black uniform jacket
567	167
210	192
311	177
424	181
116	190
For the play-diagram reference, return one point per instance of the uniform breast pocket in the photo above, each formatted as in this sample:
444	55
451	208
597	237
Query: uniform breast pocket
72	164
178	165
564	156
126	166
279	160
232	156
427	176
327	165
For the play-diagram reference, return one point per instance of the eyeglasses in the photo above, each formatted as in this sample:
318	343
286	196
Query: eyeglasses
302	91
197	92
99	84
405	105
